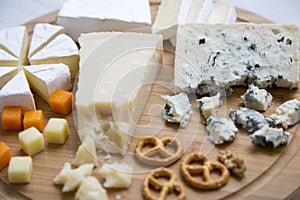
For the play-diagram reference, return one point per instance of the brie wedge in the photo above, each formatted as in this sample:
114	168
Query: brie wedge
16	92
117	72
7	59
46	79
78	16
14	40
6	73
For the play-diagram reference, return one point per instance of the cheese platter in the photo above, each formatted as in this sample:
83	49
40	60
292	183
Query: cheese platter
271	173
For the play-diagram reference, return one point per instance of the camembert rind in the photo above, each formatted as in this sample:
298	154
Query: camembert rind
117	72
236	54
78	16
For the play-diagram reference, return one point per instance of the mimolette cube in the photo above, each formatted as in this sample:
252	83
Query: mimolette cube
12	118
5	155
31	141
61	102
34	119
57	131
20	169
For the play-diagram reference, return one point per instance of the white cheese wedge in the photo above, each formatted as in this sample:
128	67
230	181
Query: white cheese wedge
14	40
222	12
86	152
6	73
72	178
43	33
117	72
7	59
60	50
91	189
16	92
199	11
222	55
169	15
46	79
117	175
78	16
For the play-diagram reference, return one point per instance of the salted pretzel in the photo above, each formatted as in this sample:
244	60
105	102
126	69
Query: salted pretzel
164	187
204	168
159	147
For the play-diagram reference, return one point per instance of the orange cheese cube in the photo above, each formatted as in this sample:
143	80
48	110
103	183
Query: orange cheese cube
34	119
5	155
61	102
12	118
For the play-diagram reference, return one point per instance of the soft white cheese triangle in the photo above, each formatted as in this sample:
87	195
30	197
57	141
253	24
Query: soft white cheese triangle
78	16
7	59
46	79
14	40
60	50
16	92
91	189
6	73
222	12
117	71
43	33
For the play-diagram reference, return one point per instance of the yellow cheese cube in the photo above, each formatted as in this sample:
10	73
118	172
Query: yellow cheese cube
57	131
31	141
20	169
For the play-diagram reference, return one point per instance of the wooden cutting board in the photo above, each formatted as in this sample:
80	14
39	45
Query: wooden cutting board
271	174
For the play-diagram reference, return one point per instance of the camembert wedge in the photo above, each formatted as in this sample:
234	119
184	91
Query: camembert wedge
6	73
117	72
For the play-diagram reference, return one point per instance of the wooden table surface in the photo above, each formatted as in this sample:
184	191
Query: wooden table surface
271	174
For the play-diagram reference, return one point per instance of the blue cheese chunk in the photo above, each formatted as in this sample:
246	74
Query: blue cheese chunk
236	54
267	136
209	105
287	113
177	109
220	130
250	119
255	98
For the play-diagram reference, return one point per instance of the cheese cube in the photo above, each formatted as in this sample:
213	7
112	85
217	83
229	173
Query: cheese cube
20	169
31	141
5	155
35	119
57	131
12	118
61	102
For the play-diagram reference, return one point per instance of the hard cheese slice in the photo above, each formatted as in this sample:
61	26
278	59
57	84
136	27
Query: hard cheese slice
117	71
78	16
17	93
60	50
222	12
6	73
14	40
213	56
46	79
199	11
43	33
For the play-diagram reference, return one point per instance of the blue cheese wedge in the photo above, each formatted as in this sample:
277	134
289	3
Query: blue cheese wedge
287	114
255	98
209	105
267	136
177	109
220	130
250	119
236	54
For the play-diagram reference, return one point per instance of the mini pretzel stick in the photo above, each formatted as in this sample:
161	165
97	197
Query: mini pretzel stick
204	168
172	185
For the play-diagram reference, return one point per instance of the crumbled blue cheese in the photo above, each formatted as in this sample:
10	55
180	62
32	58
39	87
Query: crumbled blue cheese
287	113
250	119
209	105
255	98
223	55
220	130
267	136
177	109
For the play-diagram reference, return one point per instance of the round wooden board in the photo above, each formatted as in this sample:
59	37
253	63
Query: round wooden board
271	174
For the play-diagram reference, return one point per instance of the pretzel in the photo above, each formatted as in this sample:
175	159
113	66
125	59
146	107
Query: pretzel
232	162
188	170
172	185
158	148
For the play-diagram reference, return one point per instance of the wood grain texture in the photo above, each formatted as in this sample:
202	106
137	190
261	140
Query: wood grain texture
271	174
